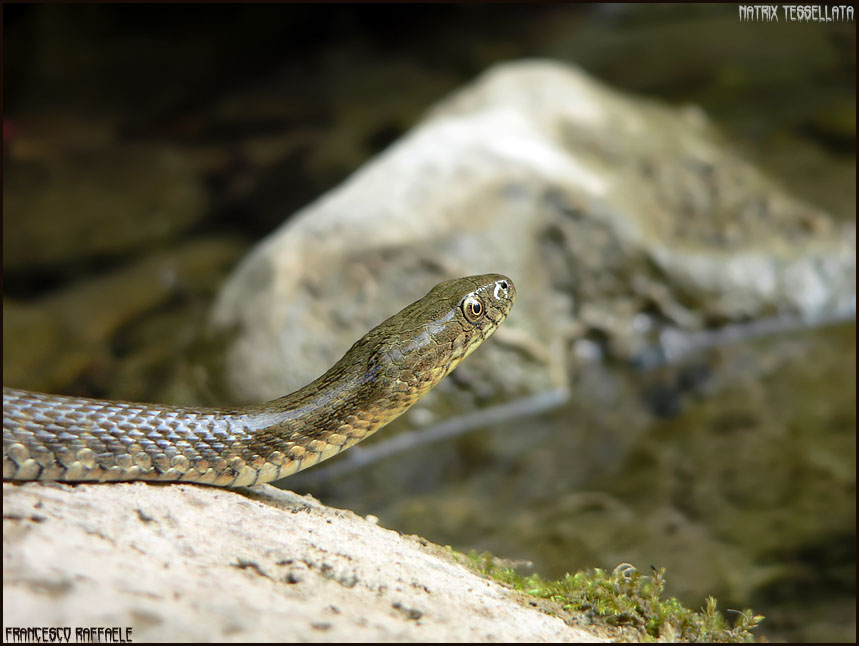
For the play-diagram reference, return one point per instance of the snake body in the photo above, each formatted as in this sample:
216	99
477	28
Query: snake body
73	439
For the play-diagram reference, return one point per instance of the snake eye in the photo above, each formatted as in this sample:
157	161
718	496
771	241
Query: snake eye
472	308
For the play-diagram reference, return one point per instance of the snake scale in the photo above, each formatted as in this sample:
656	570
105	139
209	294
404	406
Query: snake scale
74	439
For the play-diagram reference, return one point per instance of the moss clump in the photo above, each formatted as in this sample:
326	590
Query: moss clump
628	599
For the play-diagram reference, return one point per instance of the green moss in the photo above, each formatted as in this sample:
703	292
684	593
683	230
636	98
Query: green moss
624	598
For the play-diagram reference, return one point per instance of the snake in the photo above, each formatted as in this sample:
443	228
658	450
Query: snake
62	438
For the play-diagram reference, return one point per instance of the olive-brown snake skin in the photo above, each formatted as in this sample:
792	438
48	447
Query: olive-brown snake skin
73	439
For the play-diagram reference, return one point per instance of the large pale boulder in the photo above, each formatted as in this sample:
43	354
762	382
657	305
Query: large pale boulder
616	217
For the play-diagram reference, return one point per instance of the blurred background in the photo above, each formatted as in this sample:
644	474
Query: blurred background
240	115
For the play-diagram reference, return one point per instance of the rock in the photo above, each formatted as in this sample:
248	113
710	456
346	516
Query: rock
184	562
616	217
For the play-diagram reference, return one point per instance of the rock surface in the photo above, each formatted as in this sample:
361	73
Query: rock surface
183	562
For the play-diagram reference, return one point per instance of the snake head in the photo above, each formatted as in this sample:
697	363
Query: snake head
416	348
399	361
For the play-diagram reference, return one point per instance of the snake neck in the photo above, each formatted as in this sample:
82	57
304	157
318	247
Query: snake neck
347	404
